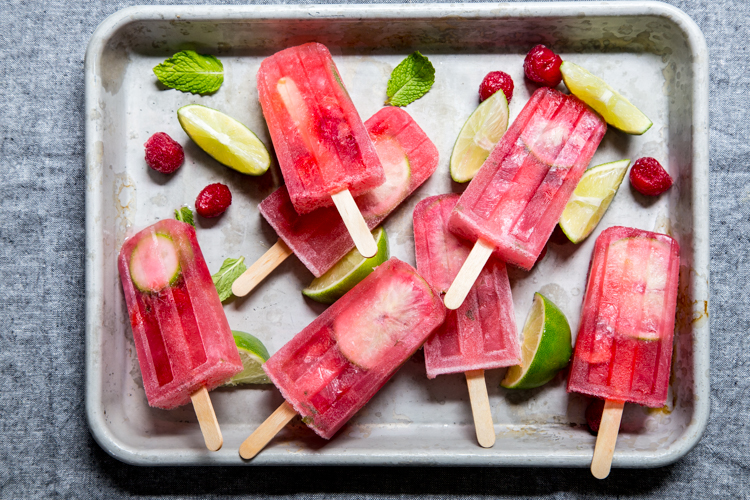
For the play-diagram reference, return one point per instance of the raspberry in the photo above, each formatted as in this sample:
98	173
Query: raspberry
543	66
213	200
594	415
494	81
163	153
648	177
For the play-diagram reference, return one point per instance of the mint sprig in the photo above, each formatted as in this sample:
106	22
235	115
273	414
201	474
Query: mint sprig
230	270
184	214
410	80
189	71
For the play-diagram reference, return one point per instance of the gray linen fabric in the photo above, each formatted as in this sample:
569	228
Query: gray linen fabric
46	450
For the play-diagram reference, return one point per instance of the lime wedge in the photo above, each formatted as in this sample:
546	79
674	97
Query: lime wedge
478	136
224	138
591	198
546	347
253	354
347	272
614	108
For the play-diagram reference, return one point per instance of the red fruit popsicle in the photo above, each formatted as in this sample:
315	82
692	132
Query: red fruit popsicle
320	238
332	368
324	151
624	346
183	341
515	200
482	333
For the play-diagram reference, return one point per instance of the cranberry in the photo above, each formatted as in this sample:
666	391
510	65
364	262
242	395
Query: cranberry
594	414
494	81
213	200
648	177
163	153
543	66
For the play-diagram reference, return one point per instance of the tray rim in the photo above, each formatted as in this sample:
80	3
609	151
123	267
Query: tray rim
699	203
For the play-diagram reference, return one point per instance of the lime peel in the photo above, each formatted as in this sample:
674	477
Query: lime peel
614	108
591	199
546	347
227	140
347	272
478	137
253	354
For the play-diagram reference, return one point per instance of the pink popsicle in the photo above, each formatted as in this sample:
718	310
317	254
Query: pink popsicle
624	346
482	333
182	338
320	239
329	370
516	198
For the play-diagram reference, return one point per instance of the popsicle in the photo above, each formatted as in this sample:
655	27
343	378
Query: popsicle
515	200
481	334
624	346
182	339
319	238
324	151
332	368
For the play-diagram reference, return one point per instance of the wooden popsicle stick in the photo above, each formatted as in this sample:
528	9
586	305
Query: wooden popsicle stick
480	408
606	438
355	223
261	268
204	410
468	274
267	430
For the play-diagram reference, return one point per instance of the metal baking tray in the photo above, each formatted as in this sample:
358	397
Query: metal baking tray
653	53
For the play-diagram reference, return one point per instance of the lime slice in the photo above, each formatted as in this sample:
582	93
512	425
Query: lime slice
224	138
591	199
614	108
253	354
347	272
154	263
546	346
480	133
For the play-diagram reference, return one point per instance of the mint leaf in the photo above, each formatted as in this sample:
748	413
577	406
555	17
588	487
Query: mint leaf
184	214
410	80
189	71
230	270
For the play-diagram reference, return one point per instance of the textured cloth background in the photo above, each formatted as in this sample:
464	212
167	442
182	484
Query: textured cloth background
46	450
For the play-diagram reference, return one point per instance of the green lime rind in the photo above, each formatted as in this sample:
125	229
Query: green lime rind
347	272
591	199
480	133
616	110
253	354
553	346
227	140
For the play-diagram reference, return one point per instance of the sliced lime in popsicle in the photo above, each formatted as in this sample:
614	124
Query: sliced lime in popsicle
478	137
154	263
614	108
546	347
347	272
591	199
227	140
253	354
385	197
365	333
